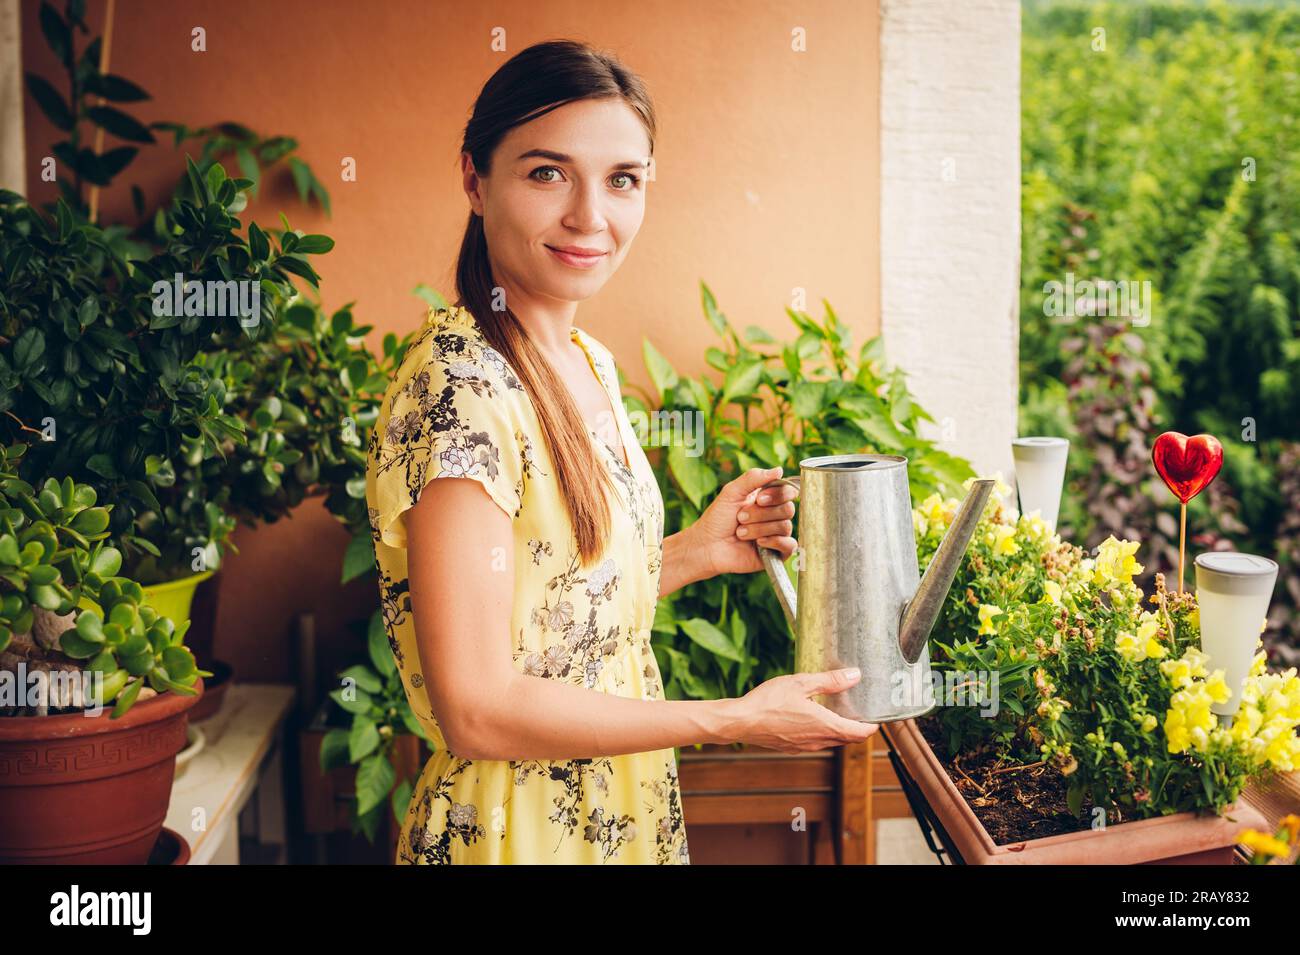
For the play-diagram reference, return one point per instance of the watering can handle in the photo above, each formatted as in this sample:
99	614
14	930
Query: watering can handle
775	567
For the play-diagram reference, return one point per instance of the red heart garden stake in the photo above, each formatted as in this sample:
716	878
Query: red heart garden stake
1187	466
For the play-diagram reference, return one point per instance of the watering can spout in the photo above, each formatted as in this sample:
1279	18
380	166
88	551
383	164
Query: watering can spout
921	612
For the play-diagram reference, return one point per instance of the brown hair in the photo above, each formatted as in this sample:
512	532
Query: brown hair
528	85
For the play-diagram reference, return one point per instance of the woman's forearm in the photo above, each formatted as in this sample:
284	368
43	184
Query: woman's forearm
539	718
683	563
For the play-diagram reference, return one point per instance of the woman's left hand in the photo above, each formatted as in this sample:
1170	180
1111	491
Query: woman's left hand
744	515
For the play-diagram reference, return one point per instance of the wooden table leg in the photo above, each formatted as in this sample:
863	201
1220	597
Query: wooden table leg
854	809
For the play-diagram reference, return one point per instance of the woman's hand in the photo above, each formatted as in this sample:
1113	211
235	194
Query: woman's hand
780	714
741	517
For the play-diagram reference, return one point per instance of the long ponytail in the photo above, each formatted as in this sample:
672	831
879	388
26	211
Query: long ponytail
530	84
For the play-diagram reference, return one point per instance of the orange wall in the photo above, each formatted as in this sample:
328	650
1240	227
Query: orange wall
767	179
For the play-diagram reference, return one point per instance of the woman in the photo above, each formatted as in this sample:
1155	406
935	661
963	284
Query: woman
509	597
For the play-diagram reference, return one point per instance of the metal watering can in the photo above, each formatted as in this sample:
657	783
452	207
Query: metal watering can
862	601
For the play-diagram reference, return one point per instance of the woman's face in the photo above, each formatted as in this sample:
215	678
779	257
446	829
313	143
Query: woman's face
572	179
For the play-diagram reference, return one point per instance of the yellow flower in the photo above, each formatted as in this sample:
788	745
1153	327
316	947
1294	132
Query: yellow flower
1217	688
1258	665
1040	528
1052	590
1246	723
1149	723
1051	709
1154	649
1282	752
934	514
1144	645
1263	844
1176	734
987	613
1189	722
1182	672
1178	672
1115	563
1001	539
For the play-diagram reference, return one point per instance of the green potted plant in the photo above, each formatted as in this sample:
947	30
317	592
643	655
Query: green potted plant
93	702
100	379
1083	731
78	299
307	397
770	403
368	723
811	396
378	723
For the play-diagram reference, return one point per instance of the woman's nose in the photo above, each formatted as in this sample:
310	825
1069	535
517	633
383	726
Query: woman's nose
585	212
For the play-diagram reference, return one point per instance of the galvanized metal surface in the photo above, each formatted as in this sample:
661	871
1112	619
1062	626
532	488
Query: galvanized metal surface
859	586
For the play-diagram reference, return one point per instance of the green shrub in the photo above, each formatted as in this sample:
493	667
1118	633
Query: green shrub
811	396
1170	156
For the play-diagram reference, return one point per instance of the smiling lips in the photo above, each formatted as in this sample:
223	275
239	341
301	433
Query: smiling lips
577	256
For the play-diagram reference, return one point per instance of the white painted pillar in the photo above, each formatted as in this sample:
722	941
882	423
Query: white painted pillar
11	99
950	216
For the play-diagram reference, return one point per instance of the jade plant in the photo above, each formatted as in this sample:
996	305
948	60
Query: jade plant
1101	682
55	558
776	403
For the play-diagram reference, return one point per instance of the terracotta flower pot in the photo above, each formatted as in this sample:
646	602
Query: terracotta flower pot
78	789
1182	839
170	849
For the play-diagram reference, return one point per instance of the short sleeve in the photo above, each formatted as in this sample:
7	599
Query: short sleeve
453	414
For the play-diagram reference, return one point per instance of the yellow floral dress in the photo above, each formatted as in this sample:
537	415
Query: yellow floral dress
456	409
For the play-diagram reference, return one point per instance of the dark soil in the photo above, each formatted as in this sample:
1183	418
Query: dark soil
1013	804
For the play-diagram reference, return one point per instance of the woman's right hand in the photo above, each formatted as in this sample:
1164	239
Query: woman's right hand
780	715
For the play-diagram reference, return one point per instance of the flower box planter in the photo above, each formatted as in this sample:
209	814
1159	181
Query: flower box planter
77	789
1181	839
